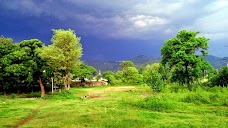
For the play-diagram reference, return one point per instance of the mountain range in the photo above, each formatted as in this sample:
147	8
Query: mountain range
141	61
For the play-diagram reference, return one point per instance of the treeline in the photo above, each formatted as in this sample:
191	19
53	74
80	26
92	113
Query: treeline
29	66
181	64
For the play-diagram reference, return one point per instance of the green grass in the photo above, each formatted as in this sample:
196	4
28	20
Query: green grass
119	107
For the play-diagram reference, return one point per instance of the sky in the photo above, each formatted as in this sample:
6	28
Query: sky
117	29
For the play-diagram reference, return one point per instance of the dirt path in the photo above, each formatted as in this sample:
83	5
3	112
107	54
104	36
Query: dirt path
96	93
91	94
30	117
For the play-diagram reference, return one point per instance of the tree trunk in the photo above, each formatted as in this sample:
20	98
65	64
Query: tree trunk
41	87
68	81
65	83
187	77
4	93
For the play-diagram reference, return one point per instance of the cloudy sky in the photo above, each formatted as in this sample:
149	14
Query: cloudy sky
117	29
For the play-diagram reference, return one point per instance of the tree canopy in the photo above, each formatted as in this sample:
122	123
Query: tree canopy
181	53
152	77
83	71
126	64
64	52
20	65
221	79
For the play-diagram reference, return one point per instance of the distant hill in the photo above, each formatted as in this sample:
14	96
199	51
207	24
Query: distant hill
103	65
217	62
141	61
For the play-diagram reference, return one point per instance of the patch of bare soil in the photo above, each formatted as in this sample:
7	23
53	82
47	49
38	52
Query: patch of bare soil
93	97
126	87
112	89
97	93
23	122
120	89
30	117
29	98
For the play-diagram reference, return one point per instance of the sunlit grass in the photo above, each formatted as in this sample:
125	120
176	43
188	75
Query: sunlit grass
119	107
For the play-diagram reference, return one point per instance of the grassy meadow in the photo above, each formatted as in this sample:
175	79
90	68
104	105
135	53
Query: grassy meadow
119	107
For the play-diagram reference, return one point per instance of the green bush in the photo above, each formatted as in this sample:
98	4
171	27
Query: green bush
174	88
157	104
13	96
32	95
220	79
65	94
215	96
197	98
197	95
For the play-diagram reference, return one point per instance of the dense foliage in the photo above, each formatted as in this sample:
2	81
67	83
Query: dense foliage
21	66
64	52
30	66
221	78
153	77
27	66
180	54
83	71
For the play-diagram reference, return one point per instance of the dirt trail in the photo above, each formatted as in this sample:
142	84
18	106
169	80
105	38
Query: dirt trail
96	93
30	117
90	94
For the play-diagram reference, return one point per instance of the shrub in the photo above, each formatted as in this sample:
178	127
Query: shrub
215	96
65	94
153	79
13	96
197	98
157	104
32	95
174	88
221	79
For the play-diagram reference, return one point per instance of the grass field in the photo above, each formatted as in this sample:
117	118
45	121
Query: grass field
118	107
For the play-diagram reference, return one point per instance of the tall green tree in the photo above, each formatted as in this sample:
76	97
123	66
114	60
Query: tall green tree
126	64
181	53
152	77
6	47
16	68
131	76
39	67
64	52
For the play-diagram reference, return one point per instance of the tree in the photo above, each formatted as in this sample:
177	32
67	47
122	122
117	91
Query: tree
5	49
126	64
119	75
128	73
39	67
221	79
165	72
12	70
5	41
64	53
21	66
107	73
110	76
152	77
15	68
181	53
131	76
83	71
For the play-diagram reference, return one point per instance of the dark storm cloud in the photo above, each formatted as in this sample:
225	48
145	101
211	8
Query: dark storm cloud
142	21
